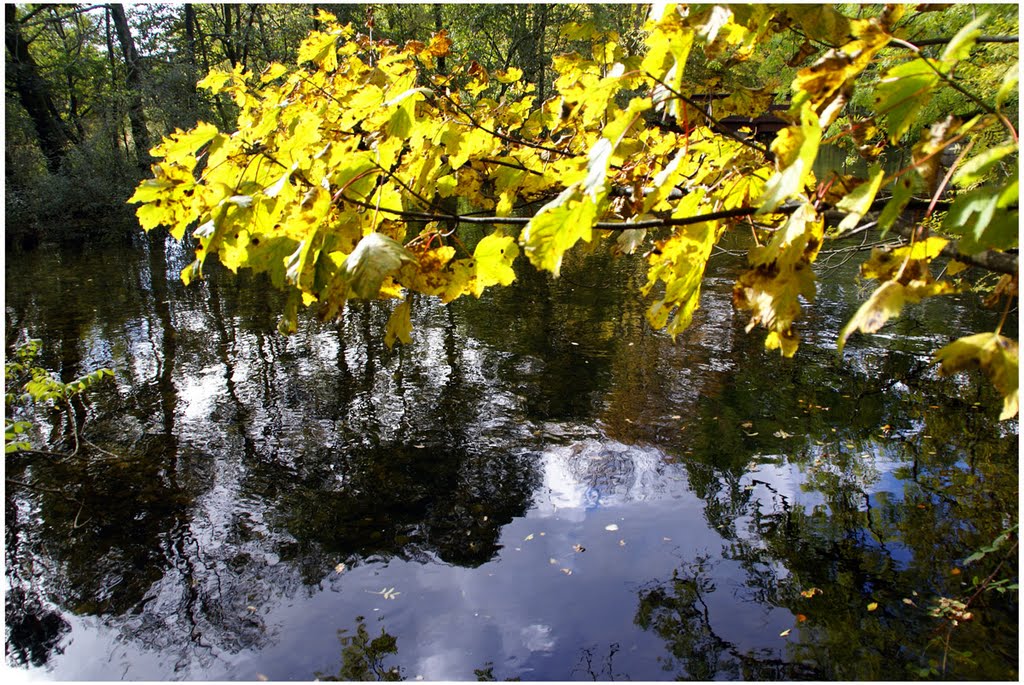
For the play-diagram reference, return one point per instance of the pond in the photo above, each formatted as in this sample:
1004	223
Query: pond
538	487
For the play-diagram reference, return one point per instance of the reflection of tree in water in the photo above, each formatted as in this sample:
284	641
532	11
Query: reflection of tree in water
362	657
676	610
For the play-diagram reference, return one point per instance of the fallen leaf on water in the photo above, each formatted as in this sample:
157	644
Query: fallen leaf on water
579	548
622	543
542	534
567	571
386	593
955	572
800	618
811	592
751	435
340	568
612	527
908	601
747	424
784	633
528	537
667	539
552	560
872	606
782	434
420	447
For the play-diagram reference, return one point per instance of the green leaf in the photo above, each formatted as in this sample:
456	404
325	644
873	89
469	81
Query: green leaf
960	46
1008	87
902	92
973	170
902	191
983	224
995	355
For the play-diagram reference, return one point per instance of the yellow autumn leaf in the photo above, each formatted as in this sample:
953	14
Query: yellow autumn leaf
558	226
494	255
887	302
399	324
375	257
997	357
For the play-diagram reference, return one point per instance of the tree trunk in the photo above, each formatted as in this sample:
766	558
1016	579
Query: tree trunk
438	25
133	79
54	135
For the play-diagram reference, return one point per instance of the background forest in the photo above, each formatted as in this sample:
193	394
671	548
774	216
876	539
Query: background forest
90	88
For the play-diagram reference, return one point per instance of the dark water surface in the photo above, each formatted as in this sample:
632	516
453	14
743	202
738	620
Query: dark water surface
539	487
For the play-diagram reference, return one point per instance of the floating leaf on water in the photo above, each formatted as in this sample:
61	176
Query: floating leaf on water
872	606
747	424
955	572
567	571
800	618
611	527
811	592
579	548
542	533
340	568
782	434
908	601
622	543
784	633
528	537
552	560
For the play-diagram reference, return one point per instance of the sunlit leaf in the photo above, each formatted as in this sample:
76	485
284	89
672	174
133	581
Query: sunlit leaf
796	148
902	92
974	170
979	218
959	47
887	302
857	202
494	255
995	355
1008	86
374	258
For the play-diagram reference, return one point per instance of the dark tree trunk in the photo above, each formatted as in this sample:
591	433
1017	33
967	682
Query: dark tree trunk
438	25
133	79
54	135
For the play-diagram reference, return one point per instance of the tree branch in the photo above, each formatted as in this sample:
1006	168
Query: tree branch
992	260
981	39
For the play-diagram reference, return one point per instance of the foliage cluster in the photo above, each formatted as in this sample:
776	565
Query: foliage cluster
107	81
29	385
349	176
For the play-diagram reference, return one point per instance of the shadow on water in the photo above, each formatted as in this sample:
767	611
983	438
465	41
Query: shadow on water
539	487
